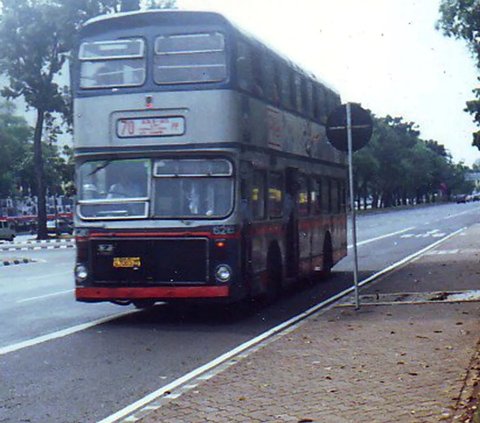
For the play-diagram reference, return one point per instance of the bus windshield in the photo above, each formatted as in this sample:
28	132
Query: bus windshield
188	188
114	188
193	188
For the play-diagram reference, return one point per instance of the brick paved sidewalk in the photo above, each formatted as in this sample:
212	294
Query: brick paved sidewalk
390	363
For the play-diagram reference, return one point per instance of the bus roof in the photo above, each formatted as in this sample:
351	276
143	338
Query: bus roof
122	20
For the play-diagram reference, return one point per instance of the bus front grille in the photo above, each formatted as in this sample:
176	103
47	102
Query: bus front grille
150	261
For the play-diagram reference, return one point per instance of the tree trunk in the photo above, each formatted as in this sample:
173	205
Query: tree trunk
40	180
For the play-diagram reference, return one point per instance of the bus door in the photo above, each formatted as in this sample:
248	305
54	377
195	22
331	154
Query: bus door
292	244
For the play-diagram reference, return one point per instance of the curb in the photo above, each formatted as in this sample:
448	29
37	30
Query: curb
43	241
44	244
24	247
12	262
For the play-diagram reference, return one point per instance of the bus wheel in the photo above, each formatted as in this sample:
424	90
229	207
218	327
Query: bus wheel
143	304
274	275
327	257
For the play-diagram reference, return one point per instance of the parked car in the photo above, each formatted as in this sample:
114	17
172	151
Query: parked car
461	198
7	230
59	226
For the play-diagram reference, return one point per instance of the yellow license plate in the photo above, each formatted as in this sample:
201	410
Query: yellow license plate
126	262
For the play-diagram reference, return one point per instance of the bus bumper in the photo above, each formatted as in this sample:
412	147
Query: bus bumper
92	294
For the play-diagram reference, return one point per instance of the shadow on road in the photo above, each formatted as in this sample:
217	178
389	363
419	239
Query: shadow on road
294	301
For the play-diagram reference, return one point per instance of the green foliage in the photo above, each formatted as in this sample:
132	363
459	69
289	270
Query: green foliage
59	170
14	137
36	37
397	167
461	19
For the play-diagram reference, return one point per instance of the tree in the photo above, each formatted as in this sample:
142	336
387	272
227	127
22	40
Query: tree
476	165
36	37
461	19
14	136
397	167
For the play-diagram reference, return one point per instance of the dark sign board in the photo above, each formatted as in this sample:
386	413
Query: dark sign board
361	122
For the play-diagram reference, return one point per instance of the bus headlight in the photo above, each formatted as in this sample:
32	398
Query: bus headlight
223	273
81	273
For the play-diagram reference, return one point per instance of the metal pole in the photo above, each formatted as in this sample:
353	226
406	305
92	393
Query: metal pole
352	206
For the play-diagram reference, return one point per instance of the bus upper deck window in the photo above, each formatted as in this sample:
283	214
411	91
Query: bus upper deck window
113	63
190	58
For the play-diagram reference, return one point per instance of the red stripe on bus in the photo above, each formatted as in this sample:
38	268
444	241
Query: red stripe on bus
160	292
280	228
162	234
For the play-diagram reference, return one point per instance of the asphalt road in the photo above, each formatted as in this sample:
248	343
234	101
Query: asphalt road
88	374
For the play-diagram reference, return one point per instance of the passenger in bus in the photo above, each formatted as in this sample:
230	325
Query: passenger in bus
193	198
128	186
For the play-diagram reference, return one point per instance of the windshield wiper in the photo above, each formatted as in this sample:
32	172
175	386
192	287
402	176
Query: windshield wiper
100	167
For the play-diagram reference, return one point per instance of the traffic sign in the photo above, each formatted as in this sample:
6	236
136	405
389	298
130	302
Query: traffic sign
337	127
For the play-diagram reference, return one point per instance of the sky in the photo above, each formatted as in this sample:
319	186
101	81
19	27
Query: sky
385	54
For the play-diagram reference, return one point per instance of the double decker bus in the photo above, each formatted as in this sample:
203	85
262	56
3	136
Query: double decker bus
202	166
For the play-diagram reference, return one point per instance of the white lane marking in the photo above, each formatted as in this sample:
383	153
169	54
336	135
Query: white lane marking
435	233
367	241
61	333
289	324
409	258
40	297
442	252
461	213
49	276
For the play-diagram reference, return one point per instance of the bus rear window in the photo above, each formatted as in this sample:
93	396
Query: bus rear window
190	58
114	63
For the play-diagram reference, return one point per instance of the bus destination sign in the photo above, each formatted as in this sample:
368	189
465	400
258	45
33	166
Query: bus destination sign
150	127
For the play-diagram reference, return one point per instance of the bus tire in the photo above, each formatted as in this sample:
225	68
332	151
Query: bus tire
327	257
274	274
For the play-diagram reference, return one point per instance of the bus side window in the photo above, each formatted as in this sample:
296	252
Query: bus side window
316	106
306	97
302	196
257	195
316	195
285	96
244	66
343	198
276	81
275	194
292	90
339	197
257	73
320	100
327	196
298	93
334	197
